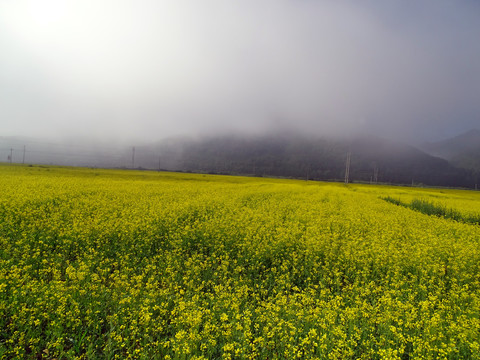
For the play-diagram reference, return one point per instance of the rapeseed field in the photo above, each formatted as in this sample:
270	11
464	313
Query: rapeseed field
110	264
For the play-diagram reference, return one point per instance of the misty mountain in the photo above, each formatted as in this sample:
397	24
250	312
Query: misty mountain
462	150
373	159
287	155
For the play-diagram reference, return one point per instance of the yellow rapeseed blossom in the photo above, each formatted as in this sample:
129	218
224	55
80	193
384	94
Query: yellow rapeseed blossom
143	265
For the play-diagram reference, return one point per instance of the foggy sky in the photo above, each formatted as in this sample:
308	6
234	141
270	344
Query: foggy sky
153	69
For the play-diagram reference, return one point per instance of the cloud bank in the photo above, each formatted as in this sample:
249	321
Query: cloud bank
154	69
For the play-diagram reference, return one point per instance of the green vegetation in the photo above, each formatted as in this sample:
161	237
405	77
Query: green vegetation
430	208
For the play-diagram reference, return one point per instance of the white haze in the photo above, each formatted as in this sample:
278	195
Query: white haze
153	69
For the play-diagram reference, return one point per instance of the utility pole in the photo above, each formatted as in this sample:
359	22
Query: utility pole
375	173
347	167
133	157
23	162
11	155
159	160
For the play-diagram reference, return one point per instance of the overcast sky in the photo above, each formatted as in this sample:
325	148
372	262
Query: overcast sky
152	69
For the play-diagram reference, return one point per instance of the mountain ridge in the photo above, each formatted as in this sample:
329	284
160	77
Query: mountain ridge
461	151
290	155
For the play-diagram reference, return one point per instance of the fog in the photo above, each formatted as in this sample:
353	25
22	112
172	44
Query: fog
155	69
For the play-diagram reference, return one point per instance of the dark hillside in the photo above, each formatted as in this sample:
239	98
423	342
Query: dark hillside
462	150
372	159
